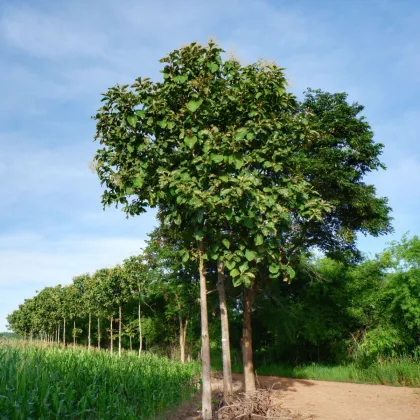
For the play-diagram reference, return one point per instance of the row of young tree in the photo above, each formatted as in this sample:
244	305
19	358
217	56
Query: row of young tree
140	300
248	177
332	312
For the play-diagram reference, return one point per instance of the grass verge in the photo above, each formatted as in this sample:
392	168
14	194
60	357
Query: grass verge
397	372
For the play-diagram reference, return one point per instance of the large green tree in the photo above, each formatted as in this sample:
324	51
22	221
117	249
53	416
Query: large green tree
237	163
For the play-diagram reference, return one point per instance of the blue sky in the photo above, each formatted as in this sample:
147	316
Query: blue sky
56	58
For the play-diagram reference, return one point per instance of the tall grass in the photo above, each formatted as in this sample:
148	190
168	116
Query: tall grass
53	383
398	372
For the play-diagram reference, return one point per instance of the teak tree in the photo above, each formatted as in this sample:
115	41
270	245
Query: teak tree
238	164
138	278
177	280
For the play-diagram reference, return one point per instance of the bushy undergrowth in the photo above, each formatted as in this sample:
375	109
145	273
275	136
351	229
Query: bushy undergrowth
398	371
45	382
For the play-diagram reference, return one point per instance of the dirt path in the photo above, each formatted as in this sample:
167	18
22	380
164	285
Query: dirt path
326	400
344	401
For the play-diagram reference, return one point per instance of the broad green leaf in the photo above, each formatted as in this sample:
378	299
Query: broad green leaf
130	148
190	141
291	272
259	239
230	264
235	273
250	255
245	280
239	163
226	243
138	181
216	158
194	105
274	268
185	257
243	267
213	67
132	120
181	78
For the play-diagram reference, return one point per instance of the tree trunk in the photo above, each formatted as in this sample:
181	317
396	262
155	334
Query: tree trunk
31	335
140	331
119	332
182	337
74	333
131	343
64	332
205	340
59	333
246	342
90	325
99	334
224	320
112	338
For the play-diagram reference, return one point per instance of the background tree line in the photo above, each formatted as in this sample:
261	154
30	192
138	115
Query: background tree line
332	312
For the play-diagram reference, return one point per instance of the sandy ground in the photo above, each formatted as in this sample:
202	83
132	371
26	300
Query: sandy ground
325	400
345	401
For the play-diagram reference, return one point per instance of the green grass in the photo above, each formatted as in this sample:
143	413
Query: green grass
398	372
45	382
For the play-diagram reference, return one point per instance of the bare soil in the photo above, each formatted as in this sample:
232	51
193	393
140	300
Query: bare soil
307	399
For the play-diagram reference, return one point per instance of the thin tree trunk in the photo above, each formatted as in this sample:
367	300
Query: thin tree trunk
140	331
119	332
182	337
227	365
249	375
90	325
59	333
64	332
74	333
99	334
131	343
112	342
31	334
205	340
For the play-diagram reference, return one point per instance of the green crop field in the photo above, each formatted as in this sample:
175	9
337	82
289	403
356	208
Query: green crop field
49	382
